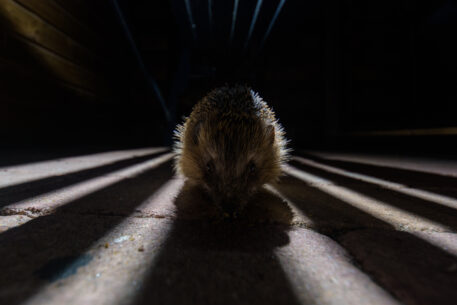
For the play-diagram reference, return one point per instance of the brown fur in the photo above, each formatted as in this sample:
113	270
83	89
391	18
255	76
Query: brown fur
231	145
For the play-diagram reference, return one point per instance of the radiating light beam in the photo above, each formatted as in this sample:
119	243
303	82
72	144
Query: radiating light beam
210	16
397	187
193	26
388	213
234	13
272	22
48	202
136	52
253	22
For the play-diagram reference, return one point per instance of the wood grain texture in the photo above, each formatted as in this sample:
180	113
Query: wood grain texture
32	27
44	63
59	17
44	39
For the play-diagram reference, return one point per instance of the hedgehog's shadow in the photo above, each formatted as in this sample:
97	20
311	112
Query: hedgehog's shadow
193	203
206	260
261	227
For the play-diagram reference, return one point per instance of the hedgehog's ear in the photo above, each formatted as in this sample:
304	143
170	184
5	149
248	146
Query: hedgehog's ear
270	133
196	132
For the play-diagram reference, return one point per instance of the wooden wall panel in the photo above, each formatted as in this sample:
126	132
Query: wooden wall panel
59	17
30	26
85	10
43	63
55	71
43	36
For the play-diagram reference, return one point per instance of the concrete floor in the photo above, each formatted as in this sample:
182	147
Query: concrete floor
119	228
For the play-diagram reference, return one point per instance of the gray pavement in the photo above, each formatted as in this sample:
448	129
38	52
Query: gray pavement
120	228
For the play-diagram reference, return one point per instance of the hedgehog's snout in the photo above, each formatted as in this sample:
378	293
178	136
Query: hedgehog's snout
229	207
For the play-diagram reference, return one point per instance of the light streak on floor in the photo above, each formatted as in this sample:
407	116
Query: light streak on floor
12	175
445	241
140	251
338	283
439	166
299	217
398	218
48	202
418	193
121	259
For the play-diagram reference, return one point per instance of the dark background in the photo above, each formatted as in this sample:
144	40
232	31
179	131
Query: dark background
336	72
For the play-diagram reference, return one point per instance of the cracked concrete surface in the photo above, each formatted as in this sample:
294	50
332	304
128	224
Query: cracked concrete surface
120	228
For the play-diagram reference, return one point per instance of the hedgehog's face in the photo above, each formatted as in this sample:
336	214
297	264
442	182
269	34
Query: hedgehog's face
233	165
231	182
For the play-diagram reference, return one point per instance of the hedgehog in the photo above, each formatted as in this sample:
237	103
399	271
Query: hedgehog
231	145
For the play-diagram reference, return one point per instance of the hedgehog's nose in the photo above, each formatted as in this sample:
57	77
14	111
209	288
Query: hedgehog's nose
229	207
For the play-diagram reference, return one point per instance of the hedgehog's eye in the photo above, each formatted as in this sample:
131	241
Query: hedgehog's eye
252	168
210	167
